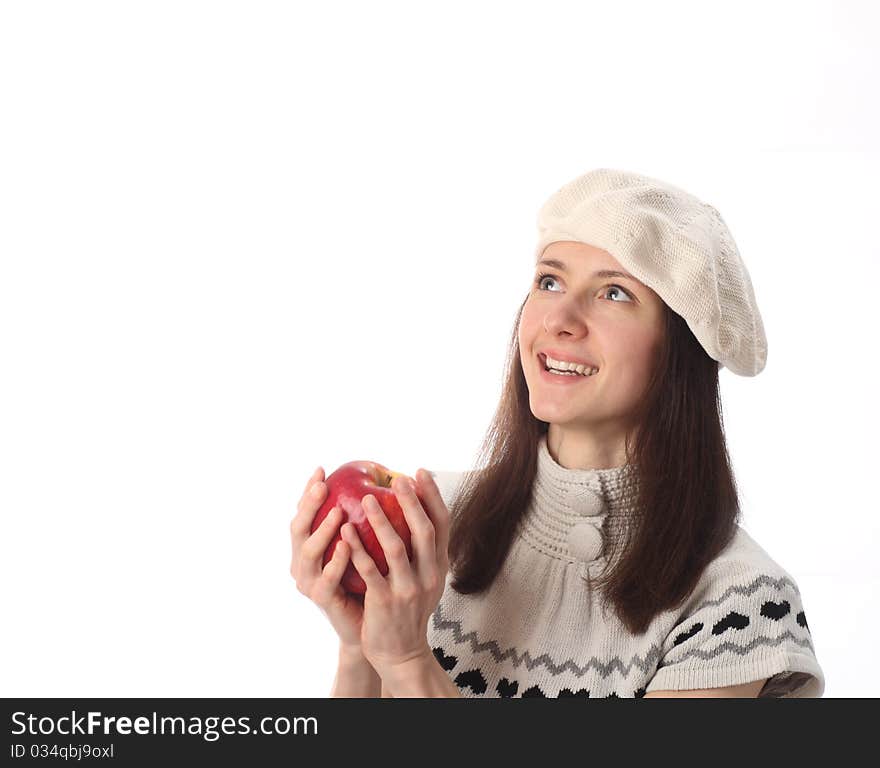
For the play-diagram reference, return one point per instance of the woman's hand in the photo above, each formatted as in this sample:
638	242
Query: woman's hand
321	584
397	607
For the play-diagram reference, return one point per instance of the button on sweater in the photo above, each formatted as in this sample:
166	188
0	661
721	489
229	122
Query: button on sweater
540	630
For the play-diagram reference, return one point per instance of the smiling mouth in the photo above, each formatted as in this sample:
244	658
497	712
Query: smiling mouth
542	361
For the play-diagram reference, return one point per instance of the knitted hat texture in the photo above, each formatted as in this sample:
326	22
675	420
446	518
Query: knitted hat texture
677	245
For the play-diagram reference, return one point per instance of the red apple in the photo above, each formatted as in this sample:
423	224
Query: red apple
345	488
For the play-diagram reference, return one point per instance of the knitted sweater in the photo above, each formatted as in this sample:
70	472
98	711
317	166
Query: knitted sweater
539	630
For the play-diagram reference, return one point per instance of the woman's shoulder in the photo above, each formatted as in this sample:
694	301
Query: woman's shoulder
744	557
745	620
742	568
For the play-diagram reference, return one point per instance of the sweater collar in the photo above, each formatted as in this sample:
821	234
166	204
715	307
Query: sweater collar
574	512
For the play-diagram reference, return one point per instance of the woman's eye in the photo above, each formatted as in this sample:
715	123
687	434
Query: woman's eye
540	280
618	288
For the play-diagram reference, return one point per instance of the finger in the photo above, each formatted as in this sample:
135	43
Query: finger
317	479
307	508
436	510
313	550
301	525
332	574
363	562
317	475
320	539
421	528
400	571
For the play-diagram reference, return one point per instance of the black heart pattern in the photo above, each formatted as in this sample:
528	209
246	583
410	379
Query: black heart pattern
447	662
733	620
775	611
474	680
690	633
507	689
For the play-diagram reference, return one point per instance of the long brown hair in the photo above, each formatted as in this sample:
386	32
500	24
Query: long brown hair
685	484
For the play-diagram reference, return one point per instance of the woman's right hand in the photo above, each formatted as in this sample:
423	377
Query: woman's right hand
322	584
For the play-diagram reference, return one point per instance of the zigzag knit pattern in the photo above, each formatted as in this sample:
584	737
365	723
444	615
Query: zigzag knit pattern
487	656
539	629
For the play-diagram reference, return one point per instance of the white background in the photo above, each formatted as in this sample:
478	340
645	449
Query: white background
243	239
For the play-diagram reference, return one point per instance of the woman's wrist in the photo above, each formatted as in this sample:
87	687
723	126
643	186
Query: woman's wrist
355	676
420	677
351	653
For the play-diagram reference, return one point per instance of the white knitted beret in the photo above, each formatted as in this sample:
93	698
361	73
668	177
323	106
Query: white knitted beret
675	244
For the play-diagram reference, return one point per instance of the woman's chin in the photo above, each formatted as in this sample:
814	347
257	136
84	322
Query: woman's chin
559	412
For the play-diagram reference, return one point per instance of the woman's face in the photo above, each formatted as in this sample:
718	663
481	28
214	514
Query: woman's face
611	321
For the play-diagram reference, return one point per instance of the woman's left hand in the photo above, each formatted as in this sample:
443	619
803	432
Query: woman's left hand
397	607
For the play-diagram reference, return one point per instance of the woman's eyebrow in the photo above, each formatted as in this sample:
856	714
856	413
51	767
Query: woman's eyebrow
600	273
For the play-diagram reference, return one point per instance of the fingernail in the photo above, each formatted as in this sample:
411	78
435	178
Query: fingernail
316	490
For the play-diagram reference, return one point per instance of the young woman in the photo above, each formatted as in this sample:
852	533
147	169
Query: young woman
597	550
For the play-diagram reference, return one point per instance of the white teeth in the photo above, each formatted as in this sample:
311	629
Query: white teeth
562	365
